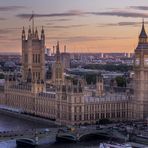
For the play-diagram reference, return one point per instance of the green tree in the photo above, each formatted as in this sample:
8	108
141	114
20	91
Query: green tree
104	121
109	67
49	72
90	78
1	76
121	81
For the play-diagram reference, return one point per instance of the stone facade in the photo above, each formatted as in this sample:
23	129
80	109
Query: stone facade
33	56
71	101
140	101
68	104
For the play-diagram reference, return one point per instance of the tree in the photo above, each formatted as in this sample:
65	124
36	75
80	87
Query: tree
109	67
1	76
104	121
49	72
121	81
90	78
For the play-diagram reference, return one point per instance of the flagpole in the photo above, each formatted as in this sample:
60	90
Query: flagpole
32	22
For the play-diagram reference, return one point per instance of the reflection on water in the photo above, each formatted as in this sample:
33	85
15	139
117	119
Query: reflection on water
8	123
88	144
10	144
92	144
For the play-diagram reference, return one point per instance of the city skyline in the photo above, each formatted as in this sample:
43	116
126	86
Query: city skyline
82	25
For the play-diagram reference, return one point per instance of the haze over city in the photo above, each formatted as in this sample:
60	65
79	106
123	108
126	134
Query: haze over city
83	25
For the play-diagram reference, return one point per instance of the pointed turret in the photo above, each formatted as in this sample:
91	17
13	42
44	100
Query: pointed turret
42	34
58	47
23	34
64	48
29	32
53	50
143	35
36	34
57	52
58	71
99	85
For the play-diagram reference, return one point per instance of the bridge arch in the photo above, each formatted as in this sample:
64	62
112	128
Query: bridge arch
66	137
88	136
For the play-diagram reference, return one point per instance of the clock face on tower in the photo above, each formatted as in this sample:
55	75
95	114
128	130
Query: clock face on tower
137	61
146	60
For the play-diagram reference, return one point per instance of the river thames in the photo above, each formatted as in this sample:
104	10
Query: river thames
8	123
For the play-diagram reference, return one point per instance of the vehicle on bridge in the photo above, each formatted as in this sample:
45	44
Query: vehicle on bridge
139	139
66	135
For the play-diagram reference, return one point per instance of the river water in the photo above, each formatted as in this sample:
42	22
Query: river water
8	123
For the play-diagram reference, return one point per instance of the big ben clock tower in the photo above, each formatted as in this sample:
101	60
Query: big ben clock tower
140	104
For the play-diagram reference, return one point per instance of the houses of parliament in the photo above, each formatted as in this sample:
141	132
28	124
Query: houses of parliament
68	100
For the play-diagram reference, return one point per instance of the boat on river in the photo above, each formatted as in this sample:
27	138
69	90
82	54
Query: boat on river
114	145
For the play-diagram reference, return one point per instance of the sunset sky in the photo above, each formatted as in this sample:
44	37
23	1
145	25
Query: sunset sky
83	25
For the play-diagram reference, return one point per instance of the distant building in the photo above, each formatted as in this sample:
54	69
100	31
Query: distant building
58	69
65	58
47	51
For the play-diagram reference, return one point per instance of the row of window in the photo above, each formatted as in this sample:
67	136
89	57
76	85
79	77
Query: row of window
97	116
45	109
36	58
47	95
36	75
77	118
27	104
95	107
78	109
107	115
22	102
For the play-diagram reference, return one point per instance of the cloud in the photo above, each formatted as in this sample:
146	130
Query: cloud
11	8
139	7
60	20
2	36
49	24
9	40
118	13
64	14
5	38
8	31
86	38
121	14
66	26
5	31
121	24
53	21
2	19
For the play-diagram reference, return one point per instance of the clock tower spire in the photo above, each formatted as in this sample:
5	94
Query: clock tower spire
140	101
143	35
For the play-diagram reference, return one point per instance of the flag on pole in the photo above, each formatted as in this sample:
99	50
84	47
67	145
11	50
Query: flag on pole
31	17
